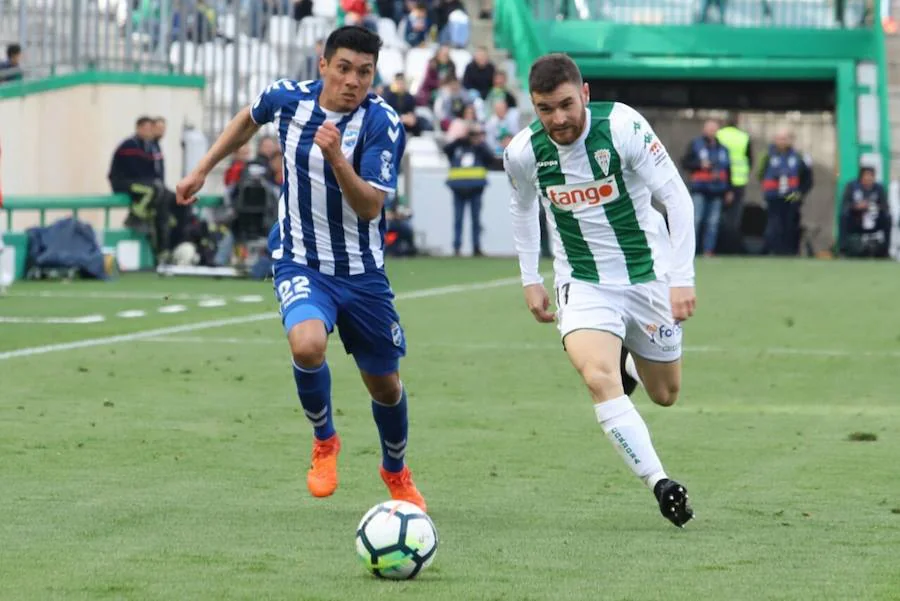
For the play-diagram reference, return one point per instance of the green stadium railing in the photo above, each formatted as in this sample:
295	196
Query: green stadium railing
110	236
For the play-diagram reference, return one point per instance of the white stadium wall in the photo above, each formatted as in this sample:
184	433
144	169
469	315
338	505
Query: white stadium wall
60	141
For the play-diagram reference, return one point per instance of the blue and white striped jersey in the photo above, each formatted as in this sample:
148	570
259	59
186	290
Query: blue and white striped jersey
316	225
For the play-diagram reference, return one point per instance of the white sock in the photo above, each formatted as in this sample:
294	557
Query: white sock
631	369
626	429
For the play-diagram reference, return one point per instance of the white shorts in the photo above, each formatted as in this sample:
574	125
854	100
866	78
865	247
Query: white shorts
640	314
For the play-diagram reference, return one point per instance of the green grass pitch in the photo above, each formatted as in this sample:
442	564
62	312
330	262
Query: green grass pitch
164	458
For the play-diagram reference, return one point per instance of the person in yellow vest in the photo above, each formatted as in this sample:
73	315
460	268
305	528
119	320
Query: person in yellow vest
740	153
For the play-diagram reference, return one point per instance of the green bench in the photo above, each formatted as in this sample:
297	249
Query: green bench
110	235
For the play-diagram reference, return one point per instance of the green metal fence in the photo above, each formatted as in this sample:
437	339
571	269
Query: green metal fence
806	14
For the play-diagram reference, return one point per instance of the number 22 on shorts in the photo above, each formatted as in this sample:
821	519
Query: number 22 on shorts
296	288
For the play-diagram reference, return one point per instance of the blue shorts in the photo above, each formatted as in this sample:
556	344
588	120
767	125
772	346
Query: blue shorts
361	306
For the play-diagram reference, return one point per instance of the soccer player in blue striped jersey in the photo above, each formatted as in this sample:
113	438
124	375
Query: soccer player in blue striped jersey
342	148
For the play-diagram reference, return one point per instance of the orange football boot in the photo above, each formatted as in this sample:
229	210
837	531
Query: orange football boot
402	488
322	478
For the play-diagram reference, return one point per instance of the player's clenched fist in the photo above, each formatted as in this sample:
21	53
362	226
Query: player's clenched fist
328	138
538	302
187	188
683	302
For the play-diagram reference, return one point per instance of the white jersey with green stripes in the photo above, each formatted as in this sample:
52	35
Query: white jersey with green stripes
596	192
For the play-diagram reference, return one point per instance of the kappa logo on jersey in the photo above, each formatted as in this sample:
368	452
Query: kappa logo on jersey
602	157
542	164
575	197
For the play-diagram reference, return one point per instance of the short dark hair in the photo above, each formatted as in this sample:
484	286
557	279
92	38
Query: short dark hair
13	50
143	120
351	37
551	71
866	169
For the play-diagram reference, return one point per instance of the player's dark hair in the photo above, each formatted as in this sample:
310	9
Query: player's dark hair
351	37
143	120
866	169
13	50
551	71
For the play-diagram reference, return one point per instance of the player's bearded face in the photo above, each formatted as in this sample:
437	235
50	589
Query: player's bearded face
562	111
347	77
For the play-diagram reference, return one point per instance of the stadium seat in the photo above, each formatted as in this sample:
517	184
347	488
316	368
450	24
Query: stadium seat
311	30
190	56
325	8
416	64
390	62
281	30
387	29
461	58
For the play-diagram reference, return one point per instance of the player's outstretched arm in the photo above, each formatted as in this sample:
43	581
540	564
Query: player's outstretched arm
237	133
525	213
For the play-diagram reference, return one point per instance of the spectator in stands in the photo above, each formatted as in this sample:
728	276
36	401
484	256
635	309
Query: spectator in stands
400	240
786	178
158	132
740	154
706	160
452	23
451	100
502	125
865	217
479	74
469	161
309	62
391	9
437	69
415	26
135	171
398	97
238	160
459	126
499	92
11	68
357	12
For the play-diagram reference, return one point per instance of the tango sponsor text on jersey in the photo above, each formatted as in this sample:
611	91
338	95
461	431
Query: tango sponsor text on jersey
317	227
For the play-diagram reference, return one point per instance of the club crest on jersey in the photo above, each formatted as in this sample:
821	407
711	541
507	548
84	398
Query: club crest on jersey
396	334
575	197
386	167
351	134
602	157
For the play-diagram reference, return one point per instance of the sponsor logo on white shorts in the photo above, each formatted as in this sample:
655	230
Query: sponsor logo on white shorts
667	337
575	197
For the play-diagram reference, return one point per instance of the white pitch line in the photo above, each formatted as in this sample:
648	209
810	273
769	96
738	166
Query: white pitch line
212	302
540	347
112	295
131	314
65	320
172	309
218	323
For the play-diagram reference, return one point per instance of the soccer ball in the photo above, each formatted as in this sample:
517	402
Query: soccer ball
396	540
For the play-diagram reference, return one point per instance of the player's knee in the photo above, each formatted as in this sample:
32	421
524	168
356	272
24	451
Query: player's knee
602	381
307	347
385	390
665	393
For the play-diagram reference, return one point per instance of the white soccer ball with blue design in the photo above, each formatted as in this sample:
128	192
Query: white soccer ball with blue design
396	540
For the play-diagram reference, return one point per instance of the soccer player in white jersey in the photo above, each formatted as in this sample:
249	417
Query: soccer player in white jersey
624	281
342	149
